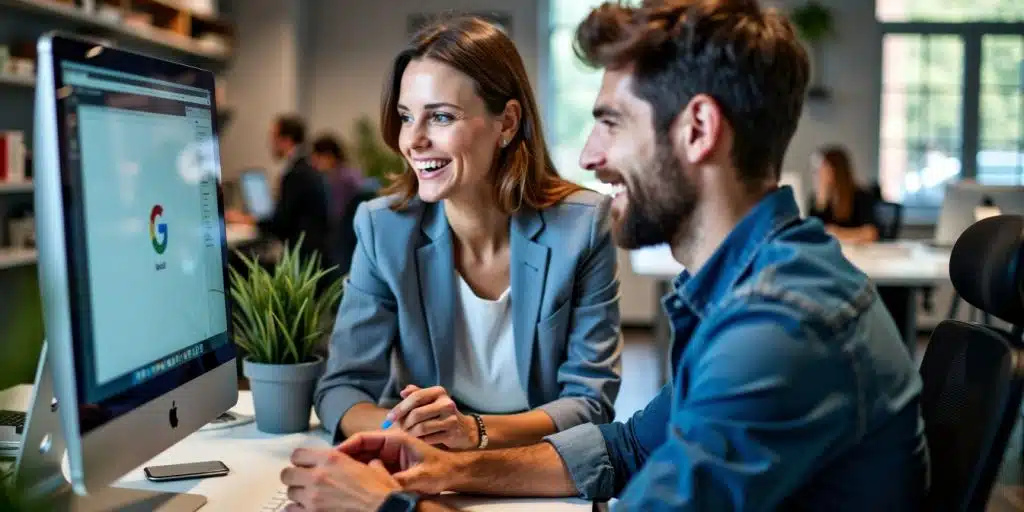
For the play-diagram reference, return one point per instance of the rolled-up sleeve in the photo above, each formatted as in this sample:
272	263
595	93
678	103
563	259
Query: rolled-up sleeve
358	366
591	374
762	404
602	459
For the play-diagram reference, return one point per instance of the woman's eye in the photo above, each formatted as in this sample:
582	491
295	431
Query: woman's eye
404	118
442	118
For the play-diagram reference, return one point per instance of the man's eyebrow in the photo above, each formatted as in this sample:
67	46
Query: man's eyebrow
604	111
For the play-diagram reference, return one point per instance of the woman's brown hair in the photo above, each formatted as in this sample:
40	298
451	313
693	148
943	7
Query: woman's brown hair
844	188
526	176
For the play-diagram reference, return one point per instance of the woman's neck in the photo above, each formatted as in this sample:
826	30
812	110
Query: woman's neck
479	226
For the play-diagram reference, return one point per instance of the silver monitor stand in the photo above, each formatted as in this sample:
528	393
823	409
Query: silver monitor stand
38	473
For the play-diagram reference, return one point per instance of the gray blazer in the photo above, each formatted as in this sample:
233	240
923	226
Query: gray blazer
400	294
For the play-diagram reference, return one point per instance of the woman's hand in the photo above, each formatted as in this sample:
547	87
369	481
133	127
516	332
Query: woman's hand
432	416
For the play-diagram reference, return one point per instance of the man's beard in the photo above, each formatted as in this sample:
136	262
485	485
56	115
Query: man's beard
661	202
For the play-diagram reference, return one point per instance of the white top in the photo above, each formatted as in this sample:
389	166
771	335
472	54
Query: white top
486	375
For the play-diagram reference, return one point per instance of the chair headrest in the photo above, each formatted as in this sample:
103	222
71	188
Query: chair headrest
987	267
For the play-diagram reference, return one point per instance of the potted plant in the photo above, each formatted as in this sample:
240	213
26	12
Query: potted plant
280	315
815	24
377	160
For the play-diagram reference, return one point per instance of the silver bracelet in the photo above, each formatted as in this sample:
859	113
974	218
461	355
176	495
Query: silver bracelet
481	430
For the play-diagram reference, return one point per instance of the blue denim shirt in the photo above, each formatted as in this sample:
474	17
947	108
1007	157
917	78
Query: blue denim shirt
791	388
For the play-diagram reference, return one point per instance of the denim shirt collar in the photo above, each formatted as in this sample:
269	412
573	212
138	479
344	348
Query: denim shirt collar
733	257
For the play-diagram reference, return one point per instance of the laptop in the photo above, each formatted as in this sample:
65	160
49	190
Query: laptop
256	196
12	426
965	203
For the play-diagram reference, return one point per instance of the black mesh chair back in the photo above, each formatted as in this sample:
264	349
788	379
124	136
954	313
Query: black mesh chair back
889	218
972	374
971	395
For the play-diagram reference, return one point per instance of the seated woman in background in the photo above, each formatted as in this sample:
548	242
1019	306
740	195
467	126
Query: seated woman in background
847	210
482	282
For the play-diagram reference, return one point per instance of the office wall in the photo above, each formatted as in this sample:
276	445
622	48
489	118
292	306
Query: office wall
264	78
353	42
852	68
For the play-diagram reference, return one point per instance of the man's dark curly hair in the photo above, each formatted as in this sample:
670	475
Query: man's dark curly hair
745	57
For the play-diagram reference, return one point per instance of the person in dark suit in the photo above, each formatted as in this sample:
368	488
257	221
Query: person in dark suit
302	207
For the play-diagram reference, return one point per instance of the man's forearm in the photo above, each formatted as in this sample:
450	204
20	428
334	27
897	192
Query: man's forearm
535	470
431	506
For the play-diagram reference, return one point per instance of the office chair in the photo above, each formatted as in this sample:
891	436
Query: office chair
973	375
344	231
889	217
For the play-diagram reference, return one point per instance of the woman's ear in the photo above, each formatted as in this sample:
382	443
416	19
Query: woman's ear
510	119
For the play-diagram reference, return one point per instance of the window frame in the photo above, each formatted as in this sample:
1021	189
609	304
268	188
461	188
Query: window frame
971	33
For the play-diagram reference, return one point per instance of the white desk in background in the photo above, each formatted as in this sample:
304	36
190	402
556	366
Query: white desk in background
255	460
899	268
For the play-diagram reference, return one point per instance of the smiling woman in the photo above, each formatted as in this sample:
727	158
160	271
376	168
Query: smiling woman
490	278
483	84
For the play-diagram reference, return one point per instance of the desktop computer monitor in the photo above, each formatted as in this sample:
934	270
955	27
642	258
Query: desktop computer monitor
132	257
961	201
256	196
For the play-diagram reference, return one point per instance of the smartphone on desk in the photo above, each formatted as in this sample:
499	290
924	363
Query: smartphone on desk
186	471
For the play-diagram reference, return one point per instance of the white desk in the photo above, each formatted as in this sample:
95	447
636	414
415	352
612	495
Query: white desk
899	263
898	268
256	459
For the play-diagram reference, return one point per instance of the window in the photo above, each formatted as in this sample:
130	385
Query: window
952	98
572	90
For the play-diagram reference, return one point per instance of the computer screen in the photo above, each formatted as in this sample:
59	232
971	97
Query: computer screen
149	178
960	204
132	253
256	194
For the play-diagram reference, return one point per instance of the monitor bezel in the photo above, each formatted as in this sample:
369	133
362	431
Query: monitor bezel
95	414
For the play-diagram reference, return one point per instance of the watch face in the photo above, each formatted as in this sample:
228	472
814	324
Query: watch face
400	502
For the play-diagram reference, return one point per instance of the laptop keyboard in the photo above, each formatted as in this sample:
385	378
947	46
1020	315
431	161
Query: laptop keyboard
14	419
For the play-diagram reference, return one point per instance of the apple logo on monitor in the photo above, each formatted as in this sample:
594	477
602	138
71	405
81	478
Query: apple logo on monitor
174	415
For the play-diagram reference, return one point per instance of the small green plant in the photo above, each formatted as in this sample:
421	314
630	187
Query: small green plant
377	160
813	21
280	315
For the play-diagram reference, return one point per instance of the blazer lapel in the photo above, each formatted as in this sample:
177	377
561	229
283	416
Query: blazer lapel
528	273
437	291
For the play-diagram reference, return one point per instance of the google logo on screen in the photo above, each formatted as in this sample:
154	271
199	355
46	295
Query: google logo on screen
159	244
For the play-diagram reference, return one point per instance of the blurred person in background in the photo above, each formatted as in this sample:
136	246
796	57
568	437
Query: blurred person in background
847	210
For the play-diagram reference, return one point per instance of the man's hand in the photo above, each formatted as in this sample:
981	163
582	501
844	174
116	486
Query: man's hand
431	415
414	464
329	480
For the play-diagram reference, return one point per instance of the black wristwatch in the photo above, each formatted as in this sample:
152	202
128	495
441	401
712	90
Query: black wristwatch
400	502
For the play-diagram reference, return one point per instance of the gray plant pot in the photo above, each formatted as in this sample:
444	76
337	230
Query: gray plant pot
282	395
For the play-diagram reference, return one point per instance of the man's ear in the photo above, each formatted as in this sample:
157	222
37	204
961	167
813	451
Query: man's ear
695	130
